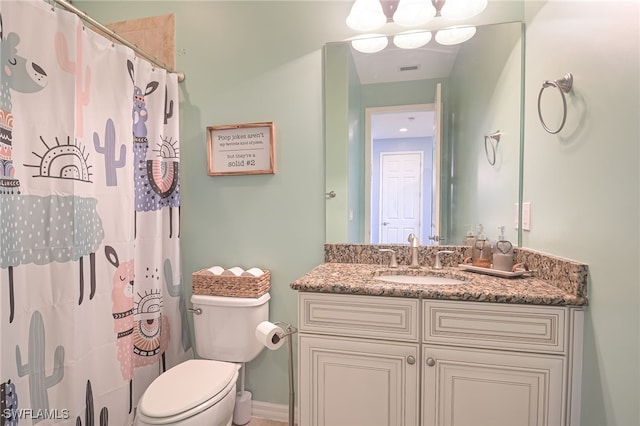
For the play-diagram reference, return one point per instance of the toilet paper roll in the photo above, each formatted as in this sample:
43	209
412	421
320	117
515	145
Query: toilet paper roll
216	270
236	270
270	335
253	272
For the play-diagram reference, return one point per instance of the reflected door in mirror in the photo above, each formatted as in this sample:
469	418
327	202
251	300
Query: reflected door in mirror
400	196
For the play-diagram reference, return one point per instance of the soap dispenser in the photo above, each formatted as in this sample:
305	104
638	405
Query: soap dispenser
469	239
481	254
503	253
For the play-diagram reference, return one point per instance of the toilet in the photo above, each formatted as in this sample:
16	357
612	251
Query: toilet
203	391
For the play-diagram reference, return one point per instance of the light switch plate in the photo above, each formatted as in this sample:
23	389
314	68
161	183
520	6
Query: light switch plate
526	216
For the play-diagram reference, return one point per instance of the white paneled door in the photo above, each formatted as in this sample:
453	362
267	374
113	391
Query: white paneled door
400	196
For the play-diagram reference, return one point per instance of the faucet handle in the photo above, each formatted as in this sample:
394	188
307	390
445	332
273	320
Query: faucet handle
437	264
393	262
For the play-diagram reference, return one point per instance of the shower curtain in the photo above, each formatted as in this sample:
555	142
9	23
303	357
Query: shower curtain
92	307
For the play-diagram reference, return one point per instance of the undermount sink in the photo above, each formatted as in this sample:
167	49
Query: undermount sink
419	279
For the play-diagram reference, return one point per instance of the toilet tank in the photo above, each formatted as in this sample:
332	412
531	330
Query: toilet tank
225	330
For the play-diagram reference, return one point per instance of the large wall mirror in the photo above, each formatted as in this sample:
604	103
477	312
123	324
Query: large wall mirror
425	140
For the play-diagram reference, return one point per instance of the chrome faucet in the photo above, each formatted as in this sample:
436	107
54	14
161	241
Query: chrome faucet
413	240
437	264
393	262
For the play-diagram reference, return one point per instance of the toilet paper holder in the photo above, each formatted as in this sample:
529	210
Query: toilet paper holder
289	331
287	328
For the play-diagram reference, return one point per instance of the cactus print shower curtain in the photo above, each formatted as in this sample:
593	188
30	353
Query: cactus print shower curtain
91	308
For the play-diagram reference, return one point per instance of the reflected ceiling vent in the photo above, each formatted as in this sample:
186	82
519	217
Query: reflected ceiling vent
410	68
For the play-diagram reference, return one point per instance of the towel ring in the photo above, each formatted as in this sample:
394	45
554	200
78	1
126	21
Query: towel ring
495	136
563	85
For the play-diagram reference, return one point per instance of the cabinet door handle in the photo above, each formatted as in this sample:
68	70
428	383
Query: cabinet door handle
411	360
431	362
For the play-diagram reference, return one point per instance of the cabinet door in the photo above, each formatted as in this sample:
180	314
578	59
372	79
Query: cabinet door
484	387
344	381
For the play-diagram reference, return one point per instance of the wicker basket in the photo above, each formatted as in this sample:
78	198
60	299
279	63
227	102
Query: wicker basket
205	283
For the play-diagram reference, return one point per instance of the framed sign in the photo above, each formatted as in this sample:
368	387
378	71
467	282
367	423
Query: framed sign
241	149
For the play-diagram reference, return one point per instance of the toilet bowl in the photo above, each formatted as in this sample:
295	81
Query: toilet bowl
202	392
197	392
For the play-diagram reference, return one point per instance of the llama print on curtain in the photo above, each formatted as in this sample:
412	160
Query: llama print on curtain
91	299
156	180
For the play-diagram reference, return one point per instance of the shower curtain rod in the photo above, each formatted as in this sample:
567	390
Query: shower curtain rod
85	17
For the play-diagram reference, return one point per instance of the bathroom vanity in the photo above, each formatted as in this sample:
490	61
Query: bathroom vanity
485	351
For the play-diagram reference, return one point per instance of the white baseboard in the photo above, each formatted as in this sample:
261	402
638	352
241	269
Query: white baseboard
271	411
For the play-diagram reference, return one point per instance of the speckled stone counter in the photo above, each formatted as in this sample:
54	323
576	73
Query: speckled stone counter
353	268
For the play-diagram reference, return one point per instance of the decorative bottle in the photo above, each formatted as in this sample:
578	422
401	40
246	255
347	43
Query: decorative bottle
481	254
503	253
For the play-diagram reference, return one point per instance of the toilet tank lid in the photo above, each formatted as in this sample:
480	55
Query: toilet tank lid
186	386
198	299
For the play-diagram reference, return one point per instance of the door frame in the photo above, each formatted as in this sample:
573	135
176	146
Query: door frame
368	142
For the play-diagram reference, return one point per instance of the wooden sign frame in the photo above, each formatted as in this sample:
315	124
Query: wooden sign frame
241	149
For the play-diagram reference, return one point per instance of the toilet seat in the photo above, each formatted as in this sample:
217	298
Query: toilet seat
187	389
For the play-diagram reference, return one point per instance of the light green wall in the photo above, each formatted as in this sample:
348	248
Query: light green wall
584	186
355	131
343	147
262	61
486	97
338	109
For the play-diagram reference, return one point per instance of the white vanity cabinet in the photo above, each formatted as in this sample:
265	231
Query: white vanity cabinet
359	360
500	364
370	360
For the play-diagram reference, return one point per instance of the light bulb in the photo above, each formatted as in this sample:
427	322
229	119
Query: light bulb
455	35
462	9
411	13
366	15
370	43
412	39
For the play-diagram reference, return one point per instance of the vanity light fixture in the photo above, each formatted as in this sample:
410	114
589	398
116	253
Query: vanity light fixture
369	15
372	43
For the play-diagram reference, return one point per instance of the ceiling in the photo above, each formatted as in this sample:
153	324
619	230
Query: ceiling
417	123
390	65
395	64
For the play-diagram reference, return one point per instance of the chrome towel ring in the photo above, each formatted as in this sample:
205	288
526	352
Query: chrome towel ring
564	85
490	147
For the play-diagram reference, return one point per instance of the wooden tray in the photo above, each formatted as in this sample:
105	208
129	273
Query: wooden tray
494	272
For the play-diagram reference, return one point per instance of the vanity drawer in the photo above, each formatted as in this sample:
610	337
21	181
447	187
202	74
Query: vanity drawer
496	326
388	318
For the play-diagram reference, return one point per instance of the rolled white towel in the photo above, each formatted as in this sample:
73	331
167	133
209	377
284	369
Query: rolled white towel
216	270
253	272
236	270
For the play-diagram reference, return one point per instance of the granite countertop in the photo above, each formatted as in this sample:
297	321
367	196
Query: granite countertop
359	278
